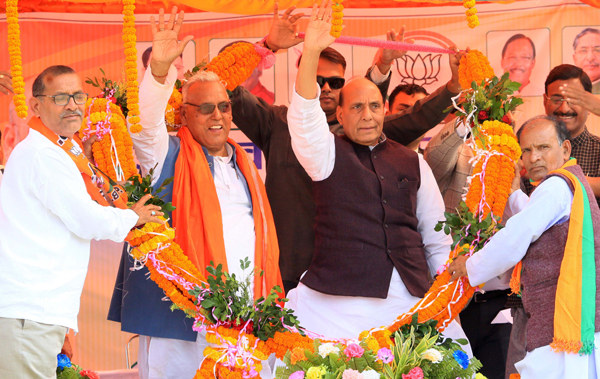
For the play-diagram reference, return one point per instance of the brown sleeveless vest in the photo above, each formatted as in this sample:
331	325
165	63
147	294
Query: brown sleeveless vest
541	269
366	223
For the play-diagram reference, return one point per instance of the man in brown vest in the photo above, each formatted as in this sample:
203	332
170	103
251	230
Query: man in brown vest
377	204
538	235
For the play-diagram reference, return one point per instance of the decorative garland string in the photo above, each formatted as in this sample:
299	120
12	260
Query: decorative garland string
394	45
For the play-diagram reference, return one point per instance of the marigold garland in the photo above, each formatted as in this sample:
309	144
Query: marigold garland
14	51
172	116
337	20
235	64
129	39
472	19
113	150
474	67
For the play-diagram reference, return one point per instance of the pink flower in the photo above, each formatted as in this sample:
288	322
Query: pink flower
415	373
297	375
89	374
351	374
385	355
354	351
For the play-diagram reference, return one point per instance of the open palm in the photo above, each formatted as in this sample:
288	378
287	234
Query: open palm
318	30
165	46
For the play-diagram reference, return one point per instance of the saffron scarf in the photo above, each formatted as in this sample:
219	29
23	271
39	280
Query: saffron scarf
575	305
198	218
96	183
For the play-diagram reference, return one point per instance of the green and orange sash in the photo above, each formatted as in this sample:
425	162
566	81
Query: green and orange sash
575	307
198	218
96	183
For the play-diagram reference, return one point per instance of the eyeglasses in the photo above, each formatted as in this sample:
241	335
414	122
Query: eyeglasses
584	51
209	108
557	100
524	59
78	98
334	82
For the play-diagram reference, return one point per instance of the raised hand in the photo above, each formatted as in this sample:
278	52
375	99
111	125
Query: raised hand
454	60
165	46
284	29
582	98
6	82
317	36
389	55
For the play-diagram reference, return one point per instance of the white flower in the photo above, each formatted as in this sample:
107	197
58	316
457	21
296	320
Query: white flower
328	348
432	355
371	374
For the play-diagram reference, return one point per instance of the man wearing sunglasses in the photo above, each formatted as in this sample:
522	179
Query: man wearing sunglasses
222	212
47	222
288	186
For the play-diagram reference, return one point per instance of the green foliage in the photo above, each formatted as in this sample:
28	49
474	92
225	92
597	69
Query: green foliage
106	86
188	74
464	227
137	188
495	97
229	299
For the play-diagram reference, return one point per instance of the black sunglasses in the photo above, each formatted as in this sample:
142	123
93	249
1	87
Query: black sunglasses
209	108
334	82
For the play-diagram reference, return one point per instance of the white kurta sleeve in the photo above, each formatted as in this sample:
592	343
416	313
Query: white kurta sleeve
312	141
516	202
152	143
430	210
61	189
549	204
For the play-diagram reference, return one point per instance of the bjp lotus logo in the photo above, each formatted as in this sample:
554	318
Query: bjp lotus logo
424	69
421	70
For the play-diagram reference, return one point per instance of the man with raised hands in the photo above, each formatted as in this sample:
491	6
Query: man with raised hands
377	205
222	212
288	185
50	210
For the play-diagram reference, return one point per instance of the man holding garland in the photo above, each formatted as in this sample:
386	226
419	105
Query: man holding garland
222	212
555	234
377	206
50	209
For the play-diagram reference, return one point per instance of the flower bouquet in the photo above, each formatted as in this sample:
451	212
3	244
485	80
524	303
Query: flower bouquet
68	370
415	351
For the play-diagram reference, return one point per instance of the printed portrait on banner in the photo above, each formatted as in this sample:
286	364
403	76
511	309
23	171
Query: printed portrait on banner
524	54
581	47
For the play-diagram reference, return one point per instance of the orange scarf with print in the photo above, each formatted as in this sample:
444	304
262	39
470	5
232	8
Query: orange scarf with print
96	183
198	219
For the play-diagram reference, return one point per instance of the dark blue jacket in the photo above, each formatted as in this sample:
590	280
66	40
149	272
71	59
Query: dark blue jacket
137	302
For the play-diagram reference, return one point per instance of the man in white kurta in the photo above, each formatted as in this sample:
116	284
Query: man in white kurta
47	221
335	316
549	205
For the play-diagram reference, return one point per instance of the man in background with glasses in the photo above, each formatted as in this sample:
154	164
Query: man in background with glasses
518	59
222	212
586	55
47	221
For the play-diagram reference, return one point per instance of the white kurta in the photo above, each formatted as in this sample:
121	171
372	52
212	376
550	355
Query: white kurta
346	316
549	204
47	220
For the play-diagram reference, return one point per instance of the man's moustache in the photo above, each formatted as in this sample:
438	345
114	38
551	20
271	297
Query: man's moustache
67	114
561	114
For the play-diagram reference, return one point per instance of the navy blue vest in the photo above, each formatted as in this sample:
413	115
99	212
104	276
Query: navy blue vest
137	301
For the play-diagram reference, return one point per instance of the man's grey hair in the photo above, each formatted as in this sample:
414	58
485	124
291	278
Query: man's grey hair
582	33
561	129
201	76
